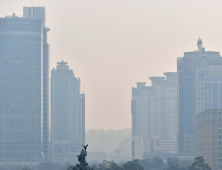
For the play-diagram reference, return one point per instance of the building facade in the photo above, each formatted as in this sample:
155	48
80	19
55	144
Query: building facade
154	111
68	112
40	13
209	137
198	89
21	90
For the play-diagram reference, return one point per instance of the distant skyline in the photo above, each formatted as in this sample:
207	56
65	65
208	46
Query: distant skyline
111	45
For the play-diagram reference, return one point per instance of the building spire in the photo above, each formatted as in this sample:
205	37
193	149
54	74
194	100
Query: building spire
199	44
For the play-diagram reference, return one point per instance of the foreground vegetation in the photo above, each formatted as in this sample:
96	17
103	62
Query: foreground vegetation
153	164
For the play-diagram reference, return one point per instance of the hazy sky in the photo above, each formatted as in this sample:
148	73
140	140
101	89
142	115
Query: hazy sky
111	44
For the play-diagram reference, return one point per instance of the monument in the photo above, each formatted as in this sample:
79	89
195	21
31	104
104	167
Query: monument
83	165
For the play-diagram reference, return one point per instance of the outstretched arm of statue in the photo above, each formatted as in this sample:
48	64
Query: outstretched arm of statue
85	147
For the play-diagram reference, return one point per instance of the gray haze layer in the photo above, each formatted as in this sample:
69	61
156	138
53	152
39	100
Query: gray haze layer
112	44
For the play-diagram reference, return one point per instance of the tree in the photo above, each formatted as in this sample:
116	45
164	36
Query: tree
173	167
104	165
121	163
49	166
156	164
173	164
26	168
143	163
94	166
113	166
173	161
132	165
199	164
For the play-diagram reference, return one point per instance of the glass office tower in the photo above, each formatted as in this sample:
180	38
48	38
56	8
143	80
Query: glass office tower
40	13
197	85
21	90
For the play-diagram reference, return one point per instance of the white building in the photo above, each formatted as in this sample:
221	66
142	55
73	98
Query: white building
137	147
154	111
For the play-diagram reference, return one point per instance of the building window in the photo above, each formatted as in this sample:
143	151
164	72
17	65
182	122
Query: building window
219	148
209	91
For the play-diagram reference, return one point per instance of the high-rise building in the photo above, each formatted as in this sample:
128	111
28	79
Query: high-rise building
153	110
35	13
68	113
40	13
199	76
209	137
21	90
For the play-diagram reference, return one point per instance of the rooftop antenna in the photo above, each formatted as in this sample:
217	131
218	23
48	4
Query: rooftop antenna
199	44
31	2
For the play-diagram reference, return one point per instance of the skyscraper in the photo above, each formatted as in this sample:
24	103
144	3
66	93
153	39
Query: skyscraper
68	113
40	13
154	115
199	76
21	90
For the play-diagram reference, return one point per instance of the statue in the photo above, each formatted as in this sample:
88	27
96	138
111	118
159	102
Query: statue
82	160
82	157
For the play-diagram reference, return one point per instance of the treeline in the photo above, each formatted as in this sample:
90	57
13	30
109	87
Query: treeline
153	164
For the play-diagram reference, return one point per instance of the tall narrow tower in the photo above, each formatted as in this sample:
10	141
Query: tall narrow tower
68	113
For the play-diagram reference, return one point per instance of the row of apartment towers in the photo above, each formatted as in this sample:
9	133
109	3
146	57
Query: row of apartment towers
164	114
40	119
